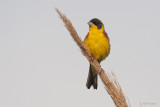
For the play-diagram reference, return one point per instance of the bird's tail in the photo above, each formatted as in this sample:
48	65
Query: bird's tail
92	79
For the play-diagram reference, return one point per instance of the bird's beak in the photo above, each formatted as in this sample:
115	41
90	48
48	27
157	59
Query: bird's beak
90	23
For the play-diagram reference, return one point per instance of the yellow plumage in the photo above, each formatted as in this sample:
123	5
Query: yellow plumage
97	43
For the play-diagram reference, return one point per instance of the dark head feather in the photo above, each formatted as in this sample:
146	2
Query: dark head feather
96	22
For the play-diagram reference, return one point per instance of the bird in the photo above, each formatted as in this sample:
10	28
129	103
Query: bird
98	43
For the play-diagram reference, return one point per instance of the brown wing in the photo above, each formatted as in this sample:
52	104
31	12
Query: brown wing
106	35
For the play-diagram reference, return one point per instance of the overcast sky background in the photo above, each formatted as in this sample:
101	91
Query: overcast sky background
41	66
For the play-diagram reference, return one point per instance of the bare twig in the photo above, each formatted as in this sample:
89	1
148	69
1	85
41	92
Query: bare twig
109	79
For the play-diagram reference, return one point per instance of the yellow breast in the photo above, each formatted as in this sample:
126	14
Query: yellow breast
97	43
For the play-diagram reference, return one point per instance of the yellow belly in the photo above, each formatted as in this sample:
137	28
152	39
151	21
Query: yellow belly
98	45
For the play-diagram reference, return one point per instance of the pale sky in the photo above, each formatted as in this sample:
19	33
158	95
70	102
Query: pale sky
41	66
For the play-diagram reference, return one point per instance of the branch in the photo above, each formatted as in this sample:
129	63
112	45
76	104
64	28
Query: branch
109	80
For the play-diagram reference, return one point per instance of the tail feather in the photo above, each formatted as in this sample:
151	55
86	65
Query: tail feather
95	84
92	79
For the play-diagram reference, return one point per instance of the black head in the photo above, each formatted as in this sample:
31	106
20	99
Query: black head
96	22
